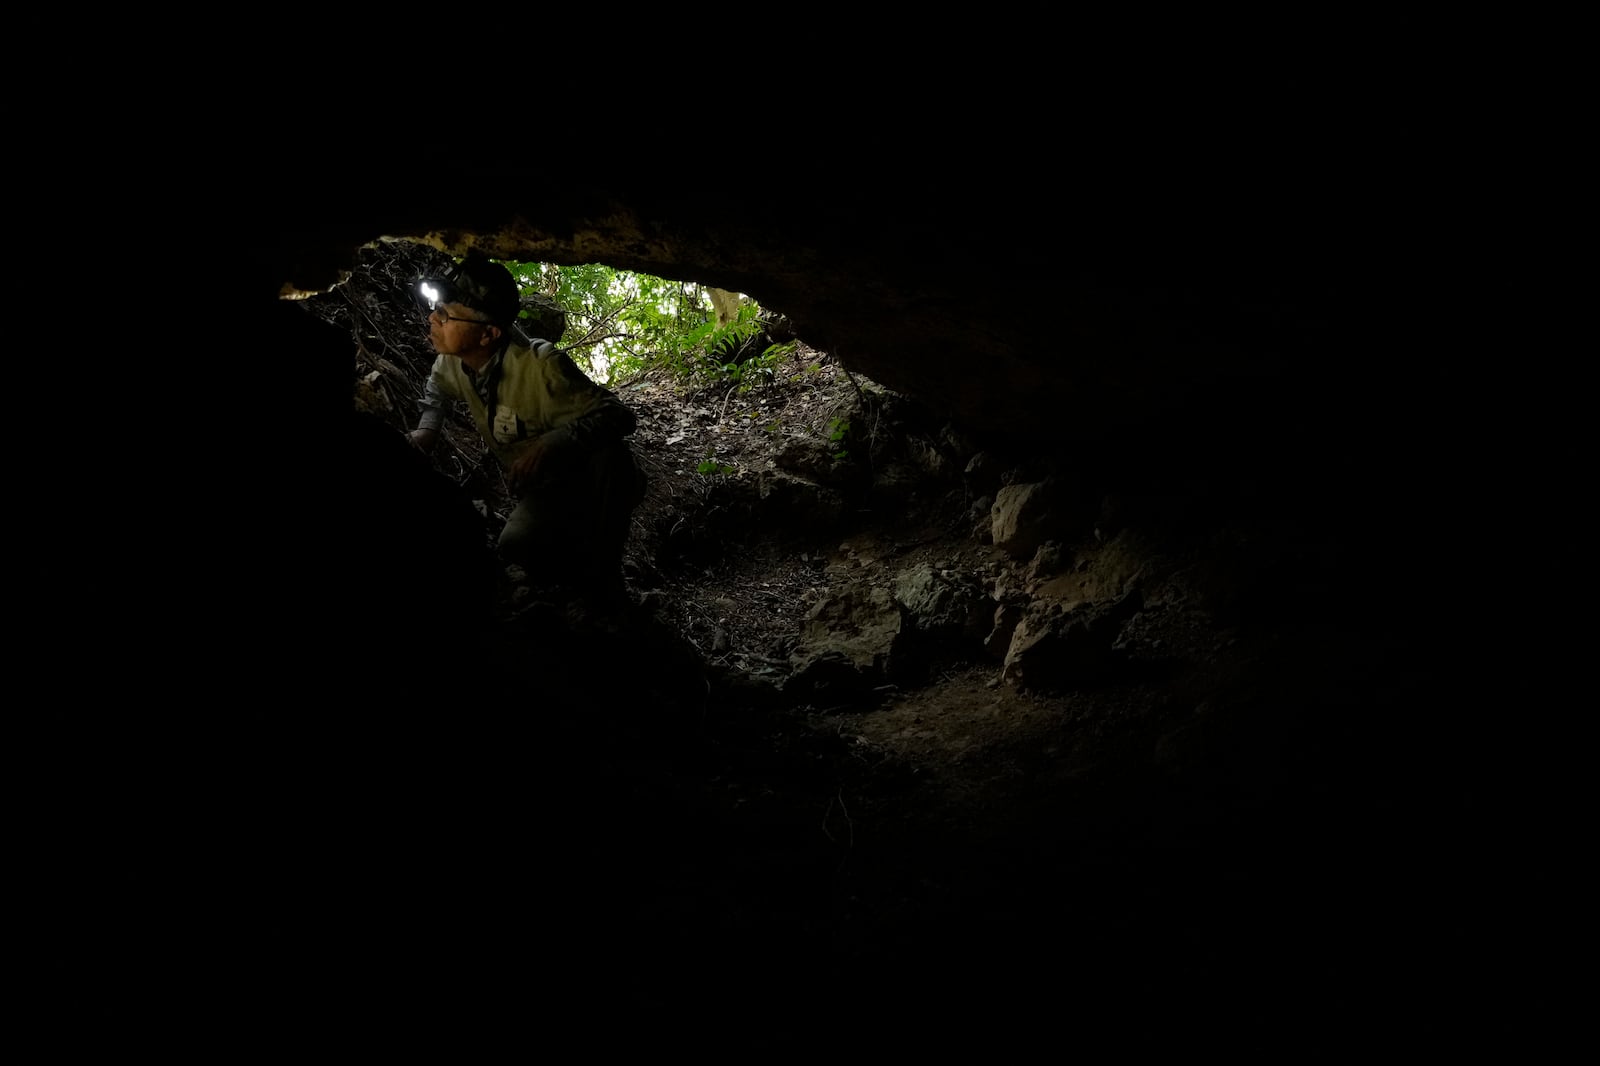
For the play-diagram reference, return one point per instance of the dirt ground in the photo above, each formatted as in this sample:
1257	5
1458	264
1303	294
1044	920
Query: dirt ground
1199	851
1262	840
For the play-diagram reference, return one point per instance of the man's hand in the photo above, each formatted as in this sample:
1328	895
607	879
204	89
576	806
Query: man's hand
535	459
423	439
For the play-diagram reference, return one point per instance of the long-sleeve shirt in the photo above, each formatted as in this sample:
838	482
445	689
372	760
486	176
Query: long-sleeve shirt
524	393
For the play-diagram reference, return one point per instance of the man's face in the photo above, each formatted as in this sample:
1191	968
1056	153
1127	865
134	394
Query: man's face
455	328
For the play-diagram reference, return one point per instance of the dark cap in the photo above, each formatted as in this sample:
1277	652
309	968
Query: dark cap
481	284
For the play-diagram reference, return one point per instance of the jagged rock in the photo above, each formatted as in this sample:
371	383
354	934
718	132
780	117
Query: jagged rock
983	471
1069	650
1047	561
946	604
1007	617
864	636
847	641
1021	518
1098	574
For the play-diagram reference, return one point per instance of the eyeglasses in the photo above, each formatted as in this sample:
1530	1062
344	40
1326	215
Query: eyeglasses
446	316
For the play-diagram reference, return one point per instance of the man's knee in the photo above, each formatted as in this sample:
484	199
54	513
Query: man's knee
516	544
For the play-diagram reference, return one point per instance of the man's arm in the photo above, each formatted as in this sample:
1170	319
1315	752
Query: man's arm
605	421
430	418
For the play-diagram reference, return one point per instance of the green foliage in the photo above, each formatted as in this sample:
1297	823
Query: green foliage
760	369
838	430
620	323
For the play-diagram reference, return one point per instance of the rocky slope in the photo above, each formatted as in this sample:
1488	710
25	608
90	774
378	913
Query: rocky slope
916	726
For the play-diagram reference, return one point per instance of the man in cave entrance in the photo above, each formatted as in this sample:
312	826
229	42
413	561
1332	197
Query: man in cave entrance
562	439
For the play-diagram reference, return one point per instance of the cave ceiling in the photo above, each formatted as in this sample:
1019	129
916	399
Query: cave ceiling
1029	310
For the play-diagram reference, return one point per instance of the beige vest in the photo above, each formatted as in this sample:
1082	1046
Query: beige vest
534	396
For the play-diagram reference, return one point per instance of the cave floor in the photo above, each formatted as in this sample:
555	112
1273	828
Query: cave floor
962	864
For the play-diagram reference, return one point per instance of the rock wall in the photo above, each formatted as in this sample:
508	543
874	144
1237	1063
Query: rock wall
1016	311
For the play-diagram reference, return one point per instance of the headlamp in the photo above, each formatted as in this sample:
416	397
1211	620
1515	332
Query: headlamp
491	291
435	289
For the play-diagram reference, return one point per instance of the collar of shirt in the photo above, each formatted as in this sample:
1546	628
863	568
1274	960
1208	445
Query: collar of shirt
484	380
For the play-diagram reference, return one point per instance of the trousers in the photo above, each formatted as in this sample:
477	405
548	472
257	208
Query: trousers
571	527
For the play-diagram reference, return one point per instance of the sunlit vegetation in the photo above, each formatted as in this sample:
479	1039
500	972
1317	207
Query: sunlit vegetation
620	323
